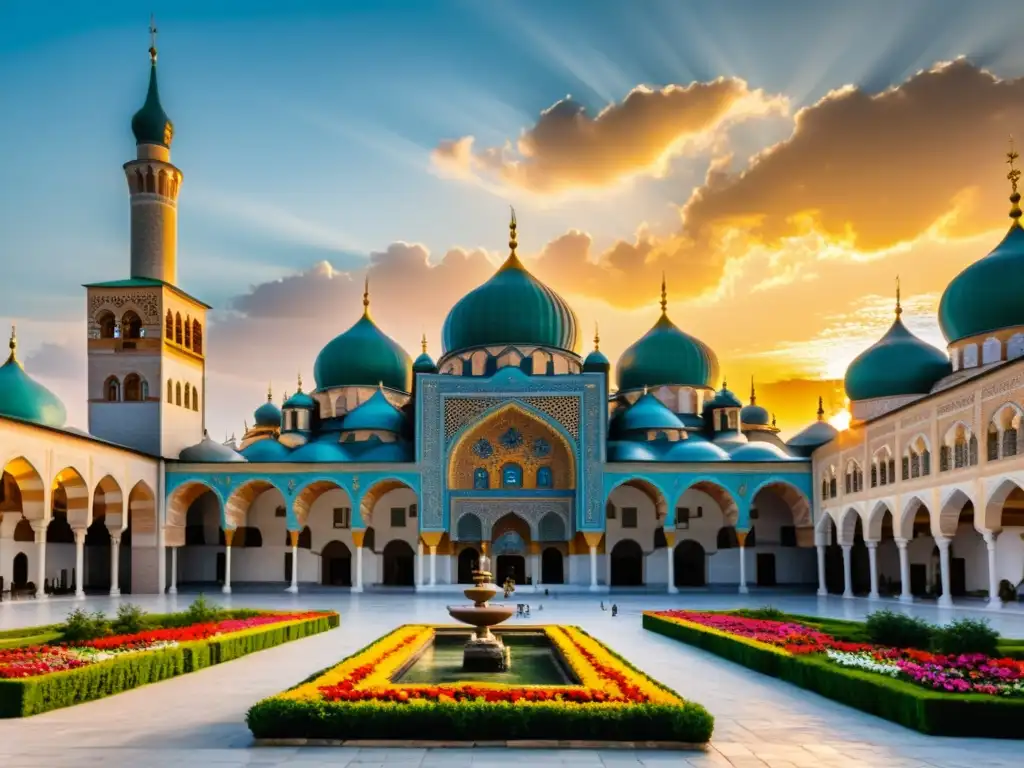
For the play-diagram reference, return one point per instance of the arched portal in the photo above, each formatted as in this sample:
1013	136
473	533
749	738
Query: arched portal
71	492
194	523
337	565
19	575
720	495
399	564
511	536
689	564
552	566
376	493
627	564
469	559
29	486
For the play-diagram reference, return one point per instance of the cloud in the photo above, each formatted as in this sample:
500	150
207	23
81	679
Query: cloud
57	361
568	150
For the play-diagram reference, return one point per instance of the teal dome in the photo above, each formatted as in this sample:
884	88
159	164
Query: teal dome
300	400
649	413
210	452
596	362
628	451
151	125
322	451
695	449
268	414
376	414
754	415
724	398
513	307
666	355
759	452
363	356
986	297
265	450
22	397
377	451
424	363
818	433
897	364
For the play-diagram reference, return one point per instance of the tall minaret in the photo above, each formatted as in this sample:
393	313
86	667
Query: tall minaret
153	184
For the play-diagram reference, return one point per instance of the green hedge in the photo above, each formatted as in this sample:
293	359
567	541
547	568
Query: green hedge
32	695
930	712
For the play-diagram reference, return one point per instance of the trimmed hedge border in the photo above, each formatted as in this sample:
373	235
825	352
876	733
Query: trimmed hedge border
931	712
27	696
689	725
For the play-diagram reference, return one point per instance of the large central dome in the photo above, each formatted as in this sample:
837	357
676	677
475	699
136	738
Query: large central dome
513	307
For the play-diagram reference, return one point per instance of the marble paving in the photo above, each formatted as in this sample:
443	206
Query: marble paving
199	719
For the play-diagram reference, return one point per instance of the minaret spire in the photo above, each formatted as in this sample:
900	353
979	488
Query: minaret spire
13	344
899	309
512	262
1014	177
152	38
821	408
270	392
664	296
597	338
299	390
366	296
753	396
424	343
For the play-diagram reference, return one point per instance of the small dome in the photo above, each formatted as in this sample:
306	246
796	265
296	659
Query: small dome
300	400
724	398
266	449
268	414
513	307
649	413
899	363
666	355
695	449
996	278
22	397
625	450
376	414
818	433
424	363
596	361
754	415
363	356
151	125
209	451
759	452
321	451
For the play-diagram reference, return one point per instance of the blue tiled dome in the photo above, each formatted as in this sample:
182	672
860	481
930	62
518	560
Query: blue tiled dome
759	451
695	449
321	451
625	450
22	397
210	451
648	413
376	414
151	124
266	450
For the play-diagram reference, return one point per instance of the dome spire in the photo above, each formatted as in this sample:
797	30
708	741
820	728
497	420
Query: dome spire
1014	177
366	297
899	309
423	343
299	390
512	262
773	419
597	338
270	392
13	344
753	396
664	296
151	124
821	408
152	38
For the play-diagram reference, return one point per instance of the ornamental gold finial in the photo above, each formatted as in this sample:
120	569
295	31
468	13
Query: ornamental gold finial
597	338
773	419
725	383
664	295
753	397
366	296
299	390
513	243
424	343
152	38
1014	177
380	386
13	344
899	309
270	392
821	408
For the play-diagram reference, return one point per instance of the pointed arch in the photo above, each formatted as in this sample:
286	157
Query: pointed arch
719	493
953	502
142	508
798	503
876	521
376	492
308	495
108	502
650	490
182	497
992	518
469	527
30	487
847	528
823	529
236	508
75	490
912	506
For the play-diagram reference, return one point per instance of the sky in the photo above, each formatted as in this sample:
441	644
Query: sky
781	163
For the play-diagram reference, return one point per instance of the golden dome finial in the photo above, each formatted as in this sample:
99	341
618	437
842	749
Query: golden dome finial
270	392
899	308
13	344
299	390
284	397
753	396
821	408
366	296
773	420
152	38
664	295
424	343
1014	177
597	338
725	382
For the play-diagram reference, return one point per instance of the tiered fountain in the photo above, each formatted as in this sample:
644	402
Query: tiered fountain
483	652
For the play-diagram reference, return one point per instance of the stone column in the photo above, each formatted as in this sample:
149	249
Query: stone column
993	579
228	535
115	564
39	529
593	539
535	557
358	537
433	566
173	589
79	563
847	571
822	585
670	568
419	564
294	586
905	595
433	540
873	567
741	536
945	599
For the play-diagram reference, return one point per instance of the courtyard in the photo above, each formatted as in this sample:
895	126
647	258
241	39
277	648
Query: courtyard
199	719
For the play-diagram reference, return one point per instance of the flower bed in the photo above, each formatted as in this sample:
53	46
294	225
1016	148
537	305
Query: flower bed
358	700
963	695
38	678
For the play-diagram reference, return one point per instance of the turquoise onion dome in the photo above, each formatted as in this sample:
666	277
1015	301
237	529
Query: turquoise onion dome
818	433
268	414
759	451
321	451
695	449
596	361
363	356
626	450
209	451
378	451
265	450
22	397
424	363
151	125
513	307
300	400
666	355
754	415
899	363
649	413
986	296
724	398
376	414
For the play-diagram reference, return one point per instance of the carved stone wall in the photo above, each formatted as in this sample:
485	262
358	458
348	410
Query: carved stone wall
489	511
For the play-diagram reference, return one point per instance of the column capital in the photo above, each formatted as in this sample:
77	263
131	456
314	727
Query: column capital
39	526
358	536
846	547
229	534
79	534
902	543
990	538
870	544
942	542
593	538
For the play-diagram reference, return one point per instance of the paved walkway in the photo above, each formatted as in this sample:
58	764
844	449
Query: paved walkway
199	719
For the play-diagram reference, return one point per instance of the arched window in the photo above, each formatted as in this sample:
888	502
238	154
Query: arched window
197	337
195	399
170	392
106	322
177	328
824	488
544	477
144	390
727	538
512	476
169	326
177	393
131	326
1010	442
150	180
481	479
112	390
993	443
133	388
188	332
188	395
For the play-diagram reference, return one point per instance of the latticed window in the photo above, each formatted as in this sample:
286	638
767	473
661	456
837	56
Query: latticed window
874	475
169	326
993	444
972	449
1010	442
824	489
833	487
926	463
892	471
188	332
944	453
849	483
197	337
177	329
906	467
915	465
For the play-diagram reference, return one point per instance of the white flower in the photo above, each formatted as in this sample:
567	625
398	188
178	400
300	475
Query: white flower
864	661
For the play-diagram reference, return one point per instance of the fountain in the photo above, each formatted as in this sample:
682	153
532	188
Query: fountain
483	652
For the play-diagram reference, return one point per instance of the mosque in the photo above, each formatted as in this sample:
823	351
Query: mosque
513	443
